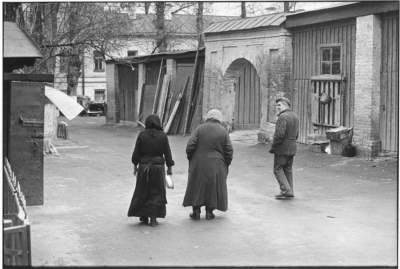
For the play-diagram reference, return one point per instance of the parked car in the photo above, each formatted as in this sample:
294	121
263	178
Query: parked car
84	102
96	109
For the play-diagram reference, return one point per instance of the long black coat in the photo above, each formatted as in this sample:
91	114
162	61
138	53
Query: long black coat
209	151
286	133
151	153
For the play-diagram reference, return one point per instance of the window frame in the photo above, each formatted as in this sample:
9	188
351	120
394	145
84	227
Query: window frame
96	59
103	92
320	61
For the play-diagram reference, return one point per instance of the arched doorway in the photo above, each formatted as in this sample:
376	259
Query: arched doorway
246	85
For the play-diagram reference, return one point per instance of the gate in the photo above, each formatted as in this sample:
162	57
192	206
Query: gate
389	108
247	97
127	88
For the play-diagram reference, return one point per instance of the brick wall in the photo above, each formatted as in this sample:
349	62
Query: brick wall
367	85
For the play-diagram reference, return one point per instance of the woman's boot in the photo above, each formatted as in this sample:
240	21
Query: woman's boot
209	213
153	222
145	220
196	213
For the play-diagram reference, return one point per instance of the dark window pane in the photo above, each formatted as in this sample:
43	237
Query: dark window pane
336	54
326	54
325	68
336	68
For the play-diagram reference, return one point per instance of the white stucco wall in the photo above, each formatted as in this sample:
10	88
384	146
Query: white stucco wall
254	46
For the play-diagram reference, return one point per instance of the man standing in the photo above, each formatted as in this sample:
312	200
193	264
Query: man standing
284	147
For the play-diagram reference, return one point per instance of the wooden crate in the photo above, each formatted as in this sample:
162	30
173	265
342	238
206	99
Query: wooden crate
16	242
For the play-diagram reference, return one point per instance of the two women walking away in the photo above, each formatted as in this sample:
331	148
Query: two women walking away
209	151
152	152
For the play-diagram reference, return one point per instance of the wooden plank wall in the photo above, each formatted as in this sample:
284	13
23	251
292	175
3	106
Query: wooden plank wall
128	87
306	42
184	69
389	108
247	98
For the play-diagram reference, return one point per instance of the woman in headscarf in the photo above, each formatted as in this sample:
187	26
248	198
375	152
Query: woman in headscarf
209	151
149	157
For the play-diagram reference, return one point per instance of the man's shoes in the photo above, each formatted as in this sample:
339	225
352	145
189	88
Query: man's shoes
209	215
284	196
145	220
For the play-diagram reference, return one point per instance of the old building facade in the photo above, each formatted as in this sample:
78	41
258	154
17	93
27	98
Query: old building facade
349	53
247	66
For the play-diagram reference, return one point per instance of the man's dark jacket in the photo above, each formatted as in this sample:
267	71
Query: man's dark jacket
286	133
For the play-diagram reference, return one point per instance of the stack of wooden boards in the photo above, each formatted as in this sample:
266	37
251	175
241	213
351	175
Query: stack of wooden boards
175	107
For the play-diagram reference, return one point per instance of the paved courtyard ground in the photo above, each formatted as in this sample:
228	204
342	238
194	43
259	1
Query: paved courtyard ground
344	213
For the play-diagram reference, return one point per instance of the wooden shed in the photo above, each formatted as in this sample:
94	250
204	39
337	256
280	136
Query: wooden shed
134	86
345	72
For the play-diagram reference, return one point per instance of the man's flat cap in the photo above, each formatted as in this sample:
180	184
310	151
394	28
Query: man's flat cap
283	99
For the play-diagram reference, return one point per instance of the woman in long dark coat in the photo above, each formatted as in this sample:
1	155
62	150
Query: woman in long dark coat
209	151
149	157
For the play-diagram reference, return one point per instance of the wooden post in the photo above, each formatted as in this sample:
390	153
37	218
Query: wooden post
155	104
193	83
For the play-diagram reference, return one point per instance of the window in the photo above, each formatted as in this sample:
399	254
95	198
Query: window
330	60
132	52
99	95
98	61
63	64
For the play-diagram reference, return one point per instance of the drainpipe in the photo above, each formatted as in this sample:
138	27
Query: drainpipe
83	75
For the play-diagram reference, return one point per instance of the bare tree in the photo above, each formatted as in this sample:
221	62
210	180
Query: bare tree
243	9
289	6
200	23
161	42
146	7
68	29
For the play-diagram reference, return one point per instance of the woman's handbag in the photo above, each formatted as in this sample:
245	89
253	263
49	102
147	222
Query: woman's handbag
169	182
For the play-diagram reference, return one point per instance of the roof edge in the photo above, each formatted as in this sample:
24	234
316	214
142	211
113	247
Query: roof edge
335	13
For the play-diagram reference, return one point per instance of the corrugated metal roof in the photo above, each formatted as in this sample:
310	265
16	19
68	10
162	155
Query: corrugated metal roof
17	44
178	24
275	19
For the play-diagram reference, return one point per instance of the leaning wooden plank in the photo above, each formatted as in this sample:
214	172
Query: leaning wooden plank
168	103
192	85
165	102
195	98
140	116
176	106
156	96
163	95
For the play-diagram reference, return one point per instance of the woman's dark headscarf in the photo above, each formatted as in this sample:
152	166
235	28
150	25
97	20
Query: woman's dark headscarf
153	122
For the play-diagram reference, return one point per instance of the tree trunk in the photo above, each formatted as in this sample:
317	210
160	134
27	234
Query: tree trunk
73	72
160	26
289	6
51	32
200	24
243	13
146	7
10	11
74	62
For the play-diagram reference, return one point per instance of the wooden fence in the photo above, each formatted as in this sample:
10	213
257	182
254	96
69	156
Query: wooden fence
16	228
